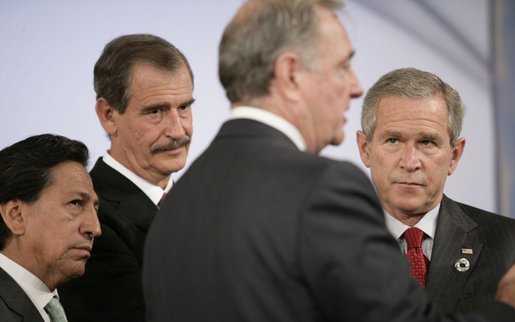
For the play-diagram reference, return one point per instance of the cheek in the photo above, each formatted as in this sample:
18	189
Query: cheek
441	167
187	125
143	138
48	250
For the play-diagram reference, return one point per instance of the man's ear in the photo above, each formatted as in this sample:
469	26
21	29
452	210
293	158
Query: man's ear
286	75
13	216
363	147
106	116
457	152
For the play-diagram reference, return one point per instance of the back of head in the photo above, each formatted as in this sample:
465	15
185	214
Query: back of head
416	84
113	69
260	31
26	168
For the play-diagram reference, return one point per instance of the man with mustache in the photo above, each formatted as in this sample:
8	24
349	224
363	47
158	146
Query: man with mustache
48	220
410	139
144	89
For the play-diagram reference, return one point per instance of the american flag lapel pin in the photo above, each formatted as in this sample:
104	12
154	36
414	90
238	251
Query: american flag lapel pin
467	251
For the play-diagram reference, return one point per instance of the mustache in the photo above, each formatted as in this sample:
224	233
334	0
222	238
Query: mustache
172	145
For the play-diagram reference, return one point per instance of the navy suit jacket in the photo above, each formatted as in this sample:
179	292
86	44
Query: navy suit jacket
491	239
15	305
111	289
257	230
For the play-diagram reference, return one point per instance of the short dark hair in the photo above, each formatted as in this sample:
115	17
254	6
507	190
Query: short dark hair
26	168
113	70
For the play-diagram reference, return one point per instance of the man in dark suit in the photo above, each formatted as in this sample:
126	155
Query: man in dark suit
260	228
144	91
410	140
48	220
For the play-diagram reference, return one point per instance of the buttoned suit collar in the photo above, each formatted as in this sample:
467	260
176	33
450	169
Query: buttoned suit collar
122	195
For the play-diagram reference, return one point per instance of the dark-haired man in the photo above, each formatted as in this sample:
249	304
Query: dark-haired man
48	222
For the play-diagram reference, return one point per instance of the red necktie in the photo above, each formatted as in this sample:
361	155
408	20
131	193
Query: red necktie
418	263
162	199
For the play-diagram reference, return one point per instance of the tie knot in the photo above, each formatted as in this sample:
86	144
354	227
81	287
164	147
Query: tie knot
55	310
413	237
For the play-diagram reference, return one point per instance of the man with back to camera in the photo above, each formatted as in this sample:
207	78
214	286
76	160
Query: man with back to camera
144	89
410	139
260	228
48	222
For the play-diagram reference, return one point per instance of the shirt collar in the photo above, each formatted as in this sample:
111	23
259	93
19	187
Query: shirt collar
35	289
427	223
152	191
270	119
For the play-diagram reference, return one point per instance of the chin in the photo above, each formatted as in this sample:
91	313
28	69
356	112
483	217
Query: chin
77	270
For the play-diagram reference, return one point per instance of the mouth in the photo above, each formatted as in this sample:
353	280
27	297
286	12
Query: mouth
408	183
84	252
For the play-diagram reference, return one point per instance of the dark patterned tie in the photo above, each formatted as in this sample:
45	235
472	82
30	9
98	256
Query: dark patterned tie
55	311
418	262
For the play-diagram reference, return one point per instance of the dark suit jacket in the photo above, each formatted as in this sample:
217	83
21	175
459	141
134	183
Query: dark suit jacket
256	230
110	289
15	305
492	240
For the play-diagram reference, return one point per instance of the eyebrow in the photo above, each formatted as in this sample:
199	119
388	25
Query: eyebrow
161	105
87	197
190	102
389	133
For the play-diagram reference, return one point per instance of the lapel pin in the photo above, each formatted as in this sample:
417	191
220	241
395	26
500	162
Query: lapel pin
462	265
467	251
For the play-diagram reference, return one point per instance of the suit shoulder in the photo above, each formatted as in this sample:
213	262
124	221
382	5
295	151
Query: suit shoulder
486	217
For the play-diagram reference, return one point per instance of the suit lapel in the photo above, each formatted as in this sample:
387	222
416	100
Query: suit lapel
455	239
123	196
16	300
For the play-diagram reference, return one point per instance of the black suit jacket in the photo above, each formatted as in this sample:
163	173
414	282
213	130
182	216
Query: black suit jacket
15	305
111	289
256	230
491	238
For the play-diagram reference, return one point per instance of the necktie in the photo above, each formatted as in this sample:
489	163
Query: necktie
55	311
418	262
161	200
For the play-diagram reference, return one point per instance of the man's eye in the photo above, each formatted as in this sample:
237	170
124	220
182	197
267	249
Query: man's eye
427	142
392	140
184	107
77	202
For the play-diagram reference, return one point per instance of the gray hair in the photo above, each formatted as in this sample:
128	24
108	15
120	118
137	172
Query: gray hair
417	84
253	40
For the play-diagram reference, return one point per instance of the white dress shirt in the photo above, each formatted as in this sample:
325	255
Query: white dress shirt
155	193
270	119
35	289
427	224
